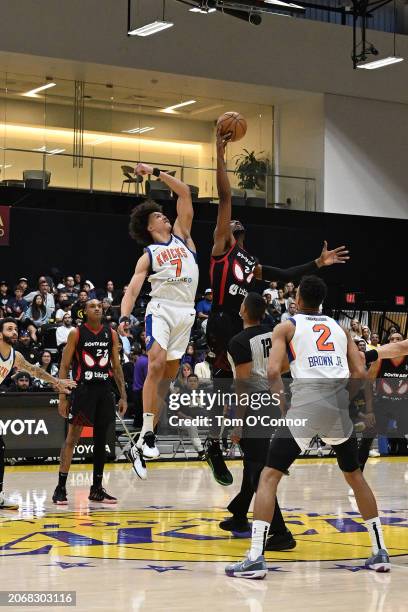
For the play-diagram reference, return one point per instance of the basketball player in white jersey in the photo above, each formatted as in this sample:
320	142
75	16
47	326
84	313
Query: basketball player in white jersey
9	359
169	262
318	350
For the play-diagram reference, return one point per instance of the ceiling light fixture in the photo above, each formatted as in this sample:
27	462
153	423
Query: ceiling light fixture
171	109
203	11
139	130
149	28
33	92
284	4
386	61
49	151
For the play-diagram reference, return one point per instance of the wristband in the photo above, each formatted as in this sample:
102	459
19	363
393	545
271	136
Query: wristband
156	172
124	319
371	356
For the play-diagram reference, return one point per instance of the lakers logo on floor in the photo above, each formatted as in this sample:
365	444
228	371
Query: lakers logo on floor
187	535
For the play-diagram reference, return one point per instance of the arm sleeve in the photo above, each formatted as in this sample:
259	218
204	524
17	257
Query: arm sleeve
240	352
288	274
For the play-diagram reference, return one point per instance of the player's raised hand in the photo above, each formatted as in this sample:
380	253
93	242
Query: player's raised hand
222	141
336	256
143	169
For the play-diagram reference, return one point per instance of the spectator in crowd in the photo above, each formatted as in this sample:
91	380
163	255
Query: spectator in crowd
64	330
46	364
78	282
361	345
289	291
125	337
4	294
280	303
17	305
180	384
36	316
394	329
139	377
111	293
272	317
355	330
69	289
90	289
203	369
375	340
63	307
21	383
189	356
272	291
203	307
23	283
78	308
109	314
366	333
187	412
26	347
291	311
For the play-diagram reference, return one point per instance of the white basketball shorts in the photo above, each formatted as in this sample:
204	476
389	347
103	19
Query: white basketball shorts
169	324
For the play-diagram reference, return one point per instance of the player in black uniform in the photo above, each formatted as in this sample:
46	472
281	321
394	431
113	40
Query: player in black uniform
249	352
391	401
233	273
93	351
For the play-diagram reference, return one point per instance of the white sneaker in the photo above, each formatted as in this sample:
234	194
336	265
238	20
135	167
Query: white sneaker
148	446
6	504
135	456
374	453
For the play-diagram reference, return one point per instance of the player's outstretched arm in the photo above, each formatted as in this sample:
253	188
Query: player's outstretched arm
223	237
118	374
185	211
393	350
281	337
338	255
62	385
135	285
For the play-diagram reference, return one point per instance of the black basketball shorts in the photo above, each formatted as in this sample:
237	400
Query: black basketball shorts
284	449
92	404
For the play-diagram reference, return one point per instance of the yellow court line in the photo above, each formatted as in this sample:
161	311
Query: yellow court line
168	465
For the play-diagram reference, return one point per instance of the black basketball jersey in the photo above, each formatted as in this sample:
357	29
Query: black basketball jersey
92	359
231	277
393	379
252	345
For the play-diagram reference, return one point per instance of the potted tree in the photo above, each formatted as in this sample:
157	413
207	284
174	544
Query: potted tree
251	170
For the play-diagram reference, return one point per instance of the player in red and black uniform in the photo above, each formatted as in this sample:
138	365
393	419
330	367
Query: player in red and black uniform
234	273
391	394
93	351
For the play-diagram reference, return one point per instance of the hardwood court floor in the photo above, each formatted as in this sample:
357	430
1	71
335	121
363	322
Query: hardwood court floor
161	548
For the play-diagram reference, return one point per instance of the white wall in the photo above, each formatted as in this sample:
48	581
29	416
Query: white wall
366	157
301	147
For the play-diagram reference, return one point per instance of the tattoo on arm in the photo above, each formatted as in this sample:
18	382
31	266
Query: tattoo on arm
36	371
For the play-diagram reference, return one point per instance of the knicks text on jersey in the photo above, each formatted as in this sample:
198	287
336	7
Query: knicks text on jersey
174	271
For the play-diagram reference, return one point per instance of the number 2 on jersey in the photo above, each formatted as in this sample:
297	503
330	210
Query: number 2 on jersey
178	263
322	341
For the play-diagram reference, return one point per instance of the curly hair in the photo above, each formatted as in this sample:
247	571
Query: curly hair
139	220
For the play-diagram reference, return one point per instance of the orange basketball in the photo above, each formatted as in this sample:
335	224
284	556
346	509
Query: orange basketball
234	124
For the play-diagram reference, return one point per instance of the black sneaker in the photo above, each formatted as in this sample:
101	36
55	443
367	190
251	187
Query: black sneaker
201	455
240	525
280	541
98	494
60	496
216	462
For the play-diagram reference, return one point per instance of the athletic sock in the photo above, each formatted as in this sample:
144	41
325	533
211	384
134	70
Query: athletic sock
259	535
374	528
148	419
62	479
